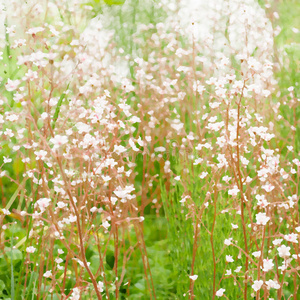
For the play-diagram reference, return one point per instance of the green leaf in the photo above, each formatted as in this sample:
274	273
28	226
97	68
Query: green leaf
2	286
110	259
18	165
95	263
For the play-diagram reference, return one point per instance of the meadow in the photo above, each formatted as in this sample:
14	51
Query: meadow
149	149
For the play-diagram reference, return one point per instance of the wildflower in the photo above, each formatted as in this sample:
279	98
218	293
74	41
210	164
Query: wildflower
284	251
132	145
100	286
256	253
272	284
262	219
30	75
228	242
277	242
60	251
6	159
220	292
203	175
292	237
35	30
119	149
106	225
82	127
268	188
193	277
234	226
124	193
30	249
61	204
58	260
198	161
93	209
234	191
229	258
75	294
43	203
40	155
44	116
5	211
12	85
238	269
257	285
160	149
59	140
48	274
267	265
296	162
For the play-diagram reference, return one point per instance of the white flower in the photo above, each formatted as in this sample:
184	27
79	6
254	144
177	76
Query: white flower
198	161
44	115
48	274
272	284
234	191
228	272
35	30
292	237
277	242
59	140
262	219
60	251
58	260
296	162
132	145
228	242
238	269
268	187
61	204
93	209
119	149
6	159
75	294
106	178
30	249
106	224
160	149
234	226
203	175
257	285
100	286
229	258
284	251
82	127
220	292
256	253
193	277
267	265
5	211
40	155
43	203
124	193
12	85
